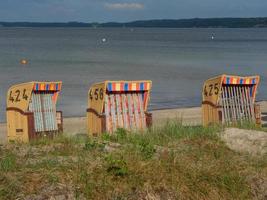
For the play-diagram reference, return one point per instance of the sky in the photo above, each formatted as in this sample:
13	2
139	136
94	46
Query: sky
126	10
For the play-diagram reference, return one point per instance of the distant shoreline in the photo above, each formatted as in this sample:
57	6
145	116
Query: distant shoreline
256	22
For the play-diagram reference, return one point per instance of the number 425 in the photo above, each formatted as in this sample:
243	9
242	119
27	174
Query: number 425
211	89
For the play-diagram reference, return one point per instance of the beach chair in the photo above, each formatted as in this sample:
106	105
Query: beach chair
230	99
118	104
31	111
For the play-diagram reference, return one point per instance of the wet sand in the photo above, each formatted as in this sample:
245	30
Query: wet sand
188	116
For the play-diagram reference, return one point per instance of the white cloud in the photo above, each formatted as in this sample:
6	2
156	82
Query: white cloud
124	6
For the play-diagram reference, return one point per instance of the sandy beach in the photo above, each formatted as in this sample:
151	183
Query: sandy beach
188	116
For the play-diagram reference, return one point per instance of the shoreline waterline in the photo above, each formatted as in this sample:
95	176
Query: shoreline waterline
187	116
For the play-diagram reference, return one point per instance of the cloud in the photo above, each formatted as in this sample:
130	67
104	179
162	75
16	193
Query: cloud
124	6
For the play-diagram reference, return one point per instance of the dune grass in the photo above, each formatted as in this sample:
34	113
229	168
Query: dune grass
171	162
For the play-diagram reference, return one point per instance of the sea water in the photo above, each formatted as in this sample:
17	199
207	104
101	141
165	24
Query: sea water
178	61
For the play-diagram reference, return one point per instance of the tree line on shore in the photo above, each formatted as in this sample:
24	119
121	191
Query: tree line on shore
159	23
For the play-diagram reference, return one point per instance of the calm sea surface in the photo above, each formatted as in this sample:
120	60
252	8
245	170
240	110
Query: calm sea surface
176	60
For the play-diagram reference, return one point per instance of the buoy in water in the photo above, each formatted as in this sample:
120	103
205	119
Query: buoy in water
23	61
212	37
104	39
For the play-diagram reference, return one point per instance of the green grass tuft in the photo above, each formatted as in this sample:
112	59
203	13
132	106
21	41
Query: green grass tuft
8	162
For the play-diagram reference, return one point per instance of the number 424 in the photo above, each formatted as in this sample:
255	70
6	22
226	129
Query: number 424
16	97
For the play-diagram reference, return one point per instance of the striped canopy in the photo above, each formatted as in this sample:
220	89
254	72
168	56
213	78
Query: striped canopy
128	86
47	86
235	80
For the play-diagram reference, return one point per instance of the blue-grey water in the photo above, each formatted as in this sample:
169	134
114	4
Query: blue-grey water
176	60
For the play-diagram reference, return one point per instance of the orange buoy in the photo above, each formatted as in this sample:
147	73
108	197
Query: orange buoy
24	62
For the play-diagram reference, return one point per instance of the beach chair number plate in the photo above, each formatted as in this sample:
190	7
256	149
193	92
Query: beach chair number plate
97	94
16	96
211	89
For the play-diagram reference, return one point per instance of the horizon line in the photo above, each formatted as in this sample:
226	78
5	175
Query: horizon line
152	19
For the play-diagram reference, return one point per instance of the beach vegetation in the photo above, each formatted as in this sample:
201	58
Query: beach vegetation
167	162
